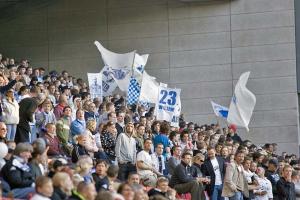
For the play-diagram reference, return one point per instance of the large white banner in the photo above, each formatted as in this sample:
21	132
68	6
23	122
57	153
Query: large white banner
95	84
108	82
167	103
149	89
242	103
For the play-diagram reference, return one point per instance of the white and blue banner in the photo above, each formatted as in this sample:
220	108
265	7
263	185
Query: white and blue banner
108	82
242	103
120	65
220	111
167	103
95	85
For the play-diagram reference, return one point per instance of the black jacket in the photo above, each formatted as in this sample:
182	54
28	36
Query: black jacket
285	190
78	151
119	129
183	173
15	176
208	170
100	183
58	194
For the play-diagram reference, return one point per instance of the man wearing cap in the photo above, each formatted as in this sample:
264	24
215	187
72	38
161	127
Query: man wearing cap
233	134
272	175
126	152
17	173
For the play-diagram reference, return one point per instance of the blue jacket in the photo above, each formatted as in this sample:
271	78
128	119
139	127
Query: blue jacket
77	127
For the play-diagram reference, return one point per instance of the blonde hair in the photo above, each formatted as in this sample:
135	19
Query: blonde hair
90	123
58	178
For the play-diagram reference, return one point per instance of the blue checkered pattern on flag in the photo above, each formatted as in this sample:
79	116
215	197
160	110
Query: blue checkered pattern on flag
134	90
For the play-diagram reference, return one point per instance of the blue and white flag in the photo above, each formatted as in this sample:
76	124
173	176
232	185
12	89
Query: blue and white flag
108	82
220	111
242	103
167	103
95	85
149	89
120	65
133	93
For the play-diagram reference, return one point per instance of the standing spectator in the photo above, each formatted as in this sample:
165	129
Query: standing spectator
26	111
10	114
235	183
44	117
63	130
184	179
44	188
91	112
198	161
144	165
108	140
264	192
285	186
126	152
162	137
214	166
91	145
186	143
120	122
140	137
78	126
175	159
158	160
233	134
273	175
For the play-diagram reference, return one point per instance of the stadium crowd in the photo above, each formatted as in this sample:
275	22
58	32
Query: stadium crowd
57	143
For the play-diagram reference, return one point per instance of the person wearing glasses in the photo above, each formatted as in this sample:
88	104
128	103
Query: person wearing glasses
198	160
214	166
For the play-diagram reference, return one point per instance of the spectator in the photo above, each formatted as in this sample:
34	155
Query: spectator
10	114
264	192
84	191
273	175
126	191
161	188
52	140
235	183
108	140
233	134
79	148
285	187
133	179
62	102
3	132
78	126
175	159
159	161
44	117
184	179
100	175
63	130
126	152
214	166
198	161
44	188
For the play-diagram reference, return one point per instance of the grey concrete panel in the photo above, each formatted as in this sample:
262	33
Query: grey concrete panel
246	6
200	41
281	101
205	89
200	57
162	75
36	53
202	119
158	61
83	6
263	36
266	69
135	30
263	53
199	25
270	134
272	85
28	22
142	45
201	73
135	3
274	118
134	15
203	106
199	10
290	148
262	20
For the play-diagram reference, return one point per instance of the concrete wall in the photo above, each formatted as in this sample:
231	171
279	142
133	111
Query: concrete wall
200	47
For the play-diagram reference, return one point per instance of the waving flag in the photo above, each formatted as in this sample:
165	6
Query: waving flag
133	92
242	103
219	110
149	89
120	65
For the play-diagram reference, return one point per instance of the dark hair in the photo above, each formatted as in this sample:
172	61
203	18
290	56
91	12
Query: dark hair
100	161
165	128
112	171
122	186
185	154
66	108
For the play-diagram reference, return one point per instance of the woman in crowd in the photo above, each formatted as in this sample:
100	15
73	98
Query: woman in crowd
108	140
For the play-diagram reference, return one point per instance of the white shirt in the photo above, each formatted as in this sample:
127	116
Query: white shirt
39	197
264	185
155	162
216	167
146	158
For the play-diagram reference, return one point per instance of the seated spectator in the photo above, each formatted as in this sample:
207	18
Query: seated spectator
84	191
84	166
79	148
272	175
59	108
44	117
52	141
10	114
91	145
62	185
126	191
3	132
133	179
17	173
159	161
161	187
112	174
175	159
43	188
184	179
39	159
100	175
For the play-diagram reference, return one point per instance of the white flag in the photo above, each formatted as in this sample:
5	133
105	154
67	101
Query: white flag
167	103
149	89
220	111
95	84
177	111
108	82
242	103
120	65
139	64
